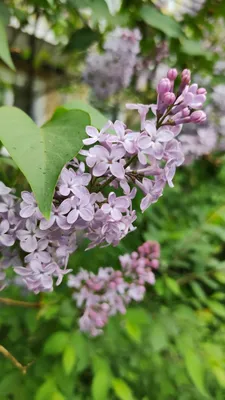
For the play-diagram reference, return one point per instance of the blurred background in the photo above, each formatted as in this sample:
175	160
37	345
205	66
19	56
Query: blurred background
172	345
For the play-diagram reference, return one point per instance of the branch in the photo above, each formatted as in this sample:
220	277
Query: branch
11	302
7	354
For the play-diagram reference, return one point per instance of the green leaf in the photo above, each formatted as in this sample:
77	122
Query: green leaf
122	390
97	119
101	382
173	286
57	396
4	14
56	343
46	390
69	359
4	48
157	20
114	6
219	374
199	292
192	47
133	330
195	368
218	231
82	39
41	153
158	336
137	315
217	308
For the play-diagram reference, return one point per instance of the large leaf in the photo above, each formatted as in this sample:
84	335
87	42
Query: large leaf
97	119
122	390
195	368
82	39
102	381
4	48
41	153
164	23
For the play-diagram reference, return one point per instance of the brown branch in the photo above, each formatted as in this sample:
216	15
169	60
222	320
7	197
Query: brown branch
7	354
11	302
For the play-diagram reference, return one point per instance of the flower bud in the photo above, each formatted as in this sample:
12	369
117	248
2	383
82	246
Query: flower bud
186	112
164	86
172	74
186	76
169	98
198	117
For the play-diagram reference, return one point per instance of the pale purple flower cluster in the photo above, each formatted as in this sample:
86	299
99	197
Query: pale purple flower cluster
209	136
180	8
108	292
116	158
8	224
112	71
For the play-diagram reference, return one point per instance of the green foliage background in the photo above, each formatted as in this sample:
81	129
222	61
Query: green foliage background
172	345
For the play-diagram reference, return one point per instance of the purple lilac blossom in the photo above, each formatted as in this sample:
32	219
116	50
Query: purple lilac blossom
180	8
112	71
119	159
110	291
209	136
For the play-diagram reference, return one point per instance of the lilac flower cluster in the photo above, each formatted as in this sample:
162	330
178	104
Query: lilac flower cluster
180	8
210	135
116	158
110	291
112	71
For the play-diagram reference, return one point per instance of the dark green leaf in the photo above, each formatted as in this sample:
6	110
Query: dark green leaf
82	39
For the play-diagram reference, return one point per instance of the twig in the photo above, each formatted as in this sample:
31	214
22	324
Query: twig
7	354
11	302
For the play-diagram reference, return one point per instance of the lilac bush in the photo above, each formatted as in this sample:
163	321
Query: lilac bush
210	135
110	291
94	194
112	71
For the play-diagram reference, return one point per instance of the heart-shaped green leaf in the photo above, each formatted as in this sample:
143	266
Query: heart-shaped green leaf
41	153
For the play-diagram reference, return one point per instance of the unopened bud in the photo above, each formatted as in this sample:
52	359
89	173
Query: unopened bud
164	86
169	98
198	117
186	76
172	74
